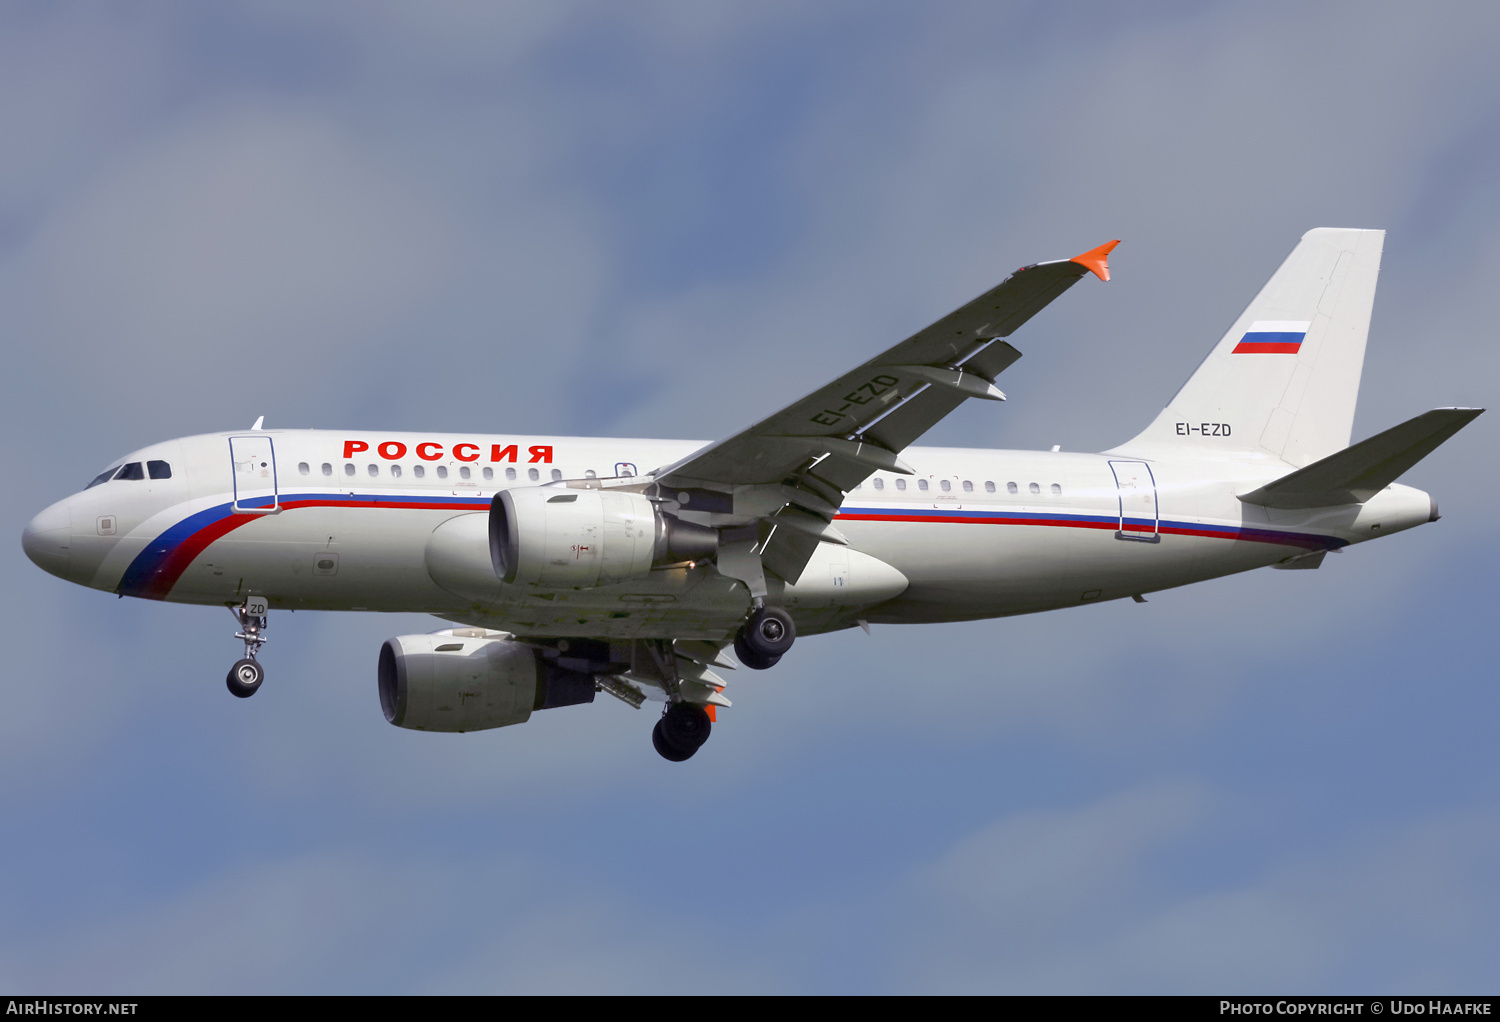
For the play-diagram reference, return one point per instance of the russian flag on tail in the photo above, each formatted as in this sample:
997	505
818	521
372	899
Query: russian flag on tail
1272	337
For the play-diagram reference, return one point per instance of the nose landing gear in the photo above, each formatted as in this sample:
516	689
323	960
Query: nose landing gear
246	675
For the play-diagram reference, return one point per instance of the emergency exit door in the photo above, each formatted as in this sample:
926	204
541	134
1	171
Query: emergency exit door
254	462
1139	518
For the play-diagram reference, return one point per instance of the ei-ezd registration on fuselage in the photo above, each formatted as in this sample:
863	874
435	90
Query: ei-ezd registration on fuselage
571	565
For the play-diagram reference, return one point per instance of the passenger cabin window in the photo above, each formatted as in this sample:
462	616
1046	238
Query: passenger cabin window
395	471
327	469
989	486
946	486
556	474
374	470
131	471
533	474
442	471
1057	489
463	473
419	471
1035	488
900	484
921	484
489	473
510	473
348	468
968	486
103	477
1012	488
879	483
303	468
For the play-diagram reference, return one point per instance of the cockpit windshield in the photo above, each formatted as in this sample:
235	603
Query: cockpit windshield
133	470
103	477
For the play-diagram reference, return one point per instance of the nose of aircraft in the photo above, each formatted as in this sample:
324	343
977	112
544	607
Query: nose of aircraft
47	538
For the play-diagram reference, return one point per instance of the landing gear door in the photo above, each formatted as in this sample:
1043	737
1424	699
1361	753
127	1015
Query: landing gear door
254	465
1139	518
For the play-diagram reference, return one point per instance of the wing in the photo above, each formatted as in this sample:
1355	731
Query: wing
792	469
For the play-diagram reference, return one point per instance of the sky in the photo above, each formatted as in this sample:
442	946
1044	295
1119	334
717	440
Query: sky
669	219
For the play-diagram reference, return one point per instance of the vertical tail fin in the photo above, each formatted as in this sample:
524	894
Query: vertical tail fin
1284	379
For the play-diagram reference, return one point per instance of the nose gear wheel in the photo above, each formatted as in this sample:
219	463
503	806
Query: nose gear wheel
245	678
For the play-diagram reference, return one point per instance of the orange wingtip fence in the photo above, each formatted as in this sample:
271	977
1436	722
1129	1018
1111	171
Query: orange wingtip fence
1097	259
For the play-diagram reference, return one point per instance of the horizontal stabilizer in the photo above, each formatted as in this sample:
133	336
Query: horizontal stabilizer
1357	473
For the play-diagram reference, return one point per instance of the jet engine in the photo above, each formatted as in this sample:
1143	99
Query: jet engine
542	535
470	679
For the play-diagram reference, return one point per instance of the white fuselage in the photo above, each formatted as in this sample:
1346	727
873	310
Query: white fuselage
323	520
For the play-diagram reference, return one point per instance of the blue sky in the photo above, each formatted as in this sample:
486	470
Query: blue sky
666	219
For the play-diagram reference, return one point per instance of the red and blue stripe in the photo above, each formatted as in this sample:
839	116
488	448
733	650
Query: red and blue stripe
1109	523
158	567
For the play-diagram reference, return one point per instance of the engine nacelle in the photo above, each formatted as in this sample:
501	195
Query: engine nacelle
565	538
468	679
452	683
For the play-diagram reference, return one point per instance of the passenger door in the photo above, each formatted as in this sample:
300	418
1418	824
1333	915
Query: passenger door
254	467
1138	511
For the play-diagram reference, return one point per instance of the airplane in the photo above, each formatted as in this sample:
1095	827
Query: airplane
570	566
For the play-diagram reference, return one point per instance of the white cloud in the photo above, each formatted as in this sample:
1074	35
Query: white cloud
582	943
71	88
248	242
1080	901
341	920
1034	873
437	39
324	922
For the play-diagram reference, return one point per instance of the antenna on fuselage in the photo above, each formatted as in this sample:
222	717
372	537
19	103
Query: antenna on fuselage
259	419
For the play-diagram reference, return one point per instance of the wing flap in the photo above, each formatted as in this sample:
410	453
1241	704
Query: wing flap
1358	472
787	552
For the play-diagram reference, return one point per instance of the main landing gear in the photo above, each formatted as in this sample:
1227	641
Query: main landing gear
682	730
765	638
684	726
246	675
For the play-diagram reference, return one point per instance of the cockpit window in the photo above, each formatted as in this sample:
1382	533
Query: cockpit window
134	470
103	477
